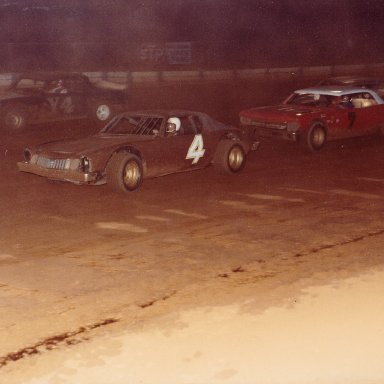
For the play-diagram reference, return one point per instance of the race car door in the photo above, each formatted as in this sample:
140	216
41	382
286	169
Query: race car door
368	115
65	99
185	149
340	117
361	115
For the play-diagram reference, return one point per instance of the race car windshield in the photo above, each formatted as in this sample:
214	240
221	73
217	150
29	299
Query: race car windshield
26	84
134	125
309	100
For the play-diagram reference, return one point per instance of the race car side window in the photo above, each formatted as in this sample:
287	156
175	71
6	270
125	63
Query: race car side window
198	124
76	85
187	126
363	100
30	84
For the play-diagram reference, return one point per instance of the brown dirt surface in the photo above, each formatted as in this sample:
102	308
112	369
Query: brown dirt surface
80	262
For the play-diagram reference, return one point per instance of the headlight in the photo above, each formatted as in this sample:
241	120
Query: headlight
84	165
27	155
245	120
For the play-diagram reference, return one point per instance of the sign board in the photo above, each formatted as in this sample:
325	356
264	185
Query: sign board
178	53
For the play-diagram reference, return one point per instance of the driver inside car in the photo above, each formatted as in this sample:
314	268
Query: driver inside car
59	87
173	126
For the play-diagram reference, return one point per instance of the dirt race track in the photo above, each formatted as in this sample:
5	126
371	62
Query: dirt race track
78	263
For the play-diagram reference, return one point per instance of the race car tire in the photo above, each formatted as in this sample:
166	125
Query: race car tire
124	172
101	111
14	118
230	157
315	137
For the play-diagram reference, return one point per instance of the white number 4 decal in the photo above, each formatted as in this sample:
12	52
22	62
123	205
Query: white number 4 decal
196	149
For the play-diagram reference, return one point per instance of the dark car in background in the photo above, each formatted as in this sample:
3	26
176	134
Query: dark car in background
138	145
58	96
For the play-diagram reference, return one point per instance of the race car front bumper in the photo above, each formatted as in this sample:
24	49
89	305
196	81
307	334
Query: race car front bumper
275	133
72	176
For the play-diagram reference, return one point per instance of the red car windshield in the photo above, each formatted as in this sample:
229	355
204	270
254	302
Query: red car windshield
311	100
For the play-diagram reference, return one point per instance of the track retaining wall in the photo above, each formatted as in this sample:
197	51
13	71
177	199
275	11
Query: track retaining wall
153	78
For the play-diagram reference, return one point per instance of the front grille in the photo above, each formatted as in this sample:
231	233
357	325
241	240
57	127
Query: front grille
45	162
262	124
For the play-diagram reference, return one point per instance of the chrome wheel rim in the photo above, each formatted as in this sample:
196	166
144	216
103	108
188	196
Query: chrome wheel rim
318	137
132	174
13	120
235	158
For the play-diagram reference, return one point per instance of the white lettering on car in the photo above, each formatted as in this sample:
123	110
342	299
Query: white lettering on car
196	149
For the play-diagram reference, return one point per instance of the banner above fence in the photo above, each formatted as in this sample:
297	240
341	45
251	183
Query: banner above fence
177	53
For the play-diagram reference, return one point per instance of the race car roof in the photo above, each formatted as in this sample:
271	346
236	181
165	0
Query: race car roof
46	76
335	90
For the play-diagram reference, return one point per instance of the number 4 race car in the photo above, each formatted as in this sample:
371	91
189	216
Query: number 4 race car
138	145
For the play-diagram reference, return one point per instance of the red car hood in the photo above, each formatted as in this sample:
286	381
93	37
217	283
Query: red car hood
89	144
277	112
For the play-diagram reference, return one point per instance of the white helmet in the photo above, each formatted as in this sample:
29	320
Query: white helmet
173	125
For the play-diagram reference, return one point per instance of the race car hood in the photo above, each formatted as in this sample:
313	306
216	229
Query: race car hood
89	145
279	113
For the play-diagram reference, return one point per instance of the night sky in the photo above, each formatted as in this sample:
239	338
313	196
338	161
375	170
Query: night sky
225	33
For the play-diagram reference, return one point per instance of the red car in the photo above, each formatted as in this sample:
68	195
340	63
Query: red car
314	115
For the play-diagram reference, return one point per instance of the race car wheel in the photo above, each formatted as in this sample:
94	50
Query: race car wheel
124	172
102	112
14	118
316	137
230	157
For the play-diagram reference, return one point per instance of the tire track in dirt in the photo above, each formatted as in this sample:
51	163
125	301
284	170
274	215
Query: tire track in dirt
67	338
